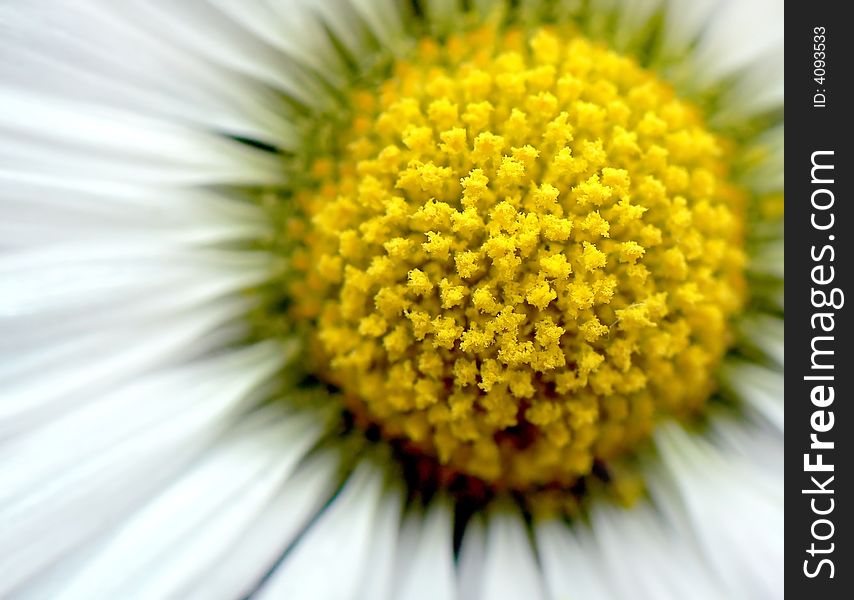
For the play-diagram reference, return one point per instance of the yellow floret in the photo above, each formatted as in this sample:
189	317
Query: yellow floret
526	252
540	295
419	283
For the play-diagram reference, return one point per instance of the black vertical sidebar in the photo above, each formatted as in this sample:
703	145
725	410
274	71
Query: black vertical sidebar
819	61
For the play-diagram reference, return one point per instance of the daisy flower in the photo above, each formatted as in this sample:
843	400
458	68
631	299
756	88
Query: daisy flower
450	299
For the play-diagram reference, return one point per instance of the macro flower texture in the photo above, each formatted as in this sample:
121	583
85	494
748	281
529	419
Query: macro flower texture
380	299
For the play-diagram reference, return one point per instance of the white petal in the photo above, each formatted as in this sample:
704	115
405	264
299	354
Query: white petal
76	141
243	567
200	29
755	441
286	515
344	19
734	20
68	481
176	538
730	38
760	388
767	334
426	548
510	568
106	53
685	21
330	558
570	561
642	557
377	579
206	390
471	560
291	28
50	381
732	506
85	275
41	213
53	579
712	41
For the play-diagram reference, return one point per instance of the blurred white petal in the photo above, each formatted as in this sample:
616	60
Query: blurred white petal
117	451
175	539
72	141
127	56
45	213
510	567
730	503
331	557
377	579
274	528
471	559
760	388
570	562
426	568
766	333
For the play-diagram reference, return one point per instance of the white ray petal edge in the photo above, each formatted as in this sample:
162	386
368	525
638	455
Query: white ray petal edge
176	538
72	479
425	566
329	560
721	492
510	567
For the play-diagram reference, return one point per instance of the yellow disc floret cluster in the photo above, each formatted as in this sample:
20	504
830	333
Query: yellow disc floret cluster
526	252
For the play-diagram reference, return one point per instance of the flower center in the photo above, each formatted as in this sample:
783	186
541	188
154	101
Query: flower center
524	254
